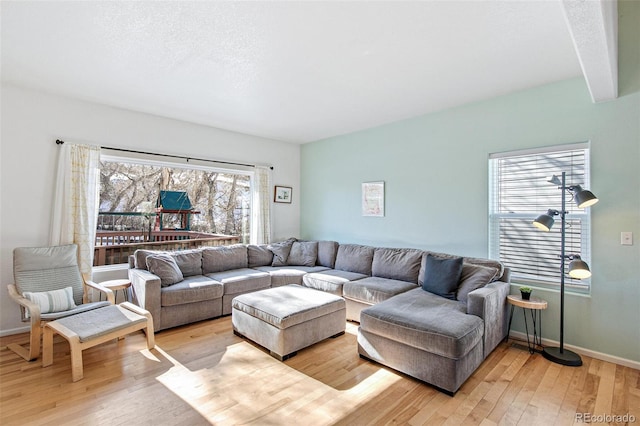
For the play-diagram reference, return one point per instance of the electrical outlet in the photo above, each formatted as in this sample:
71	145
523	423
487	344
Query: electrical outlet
626	238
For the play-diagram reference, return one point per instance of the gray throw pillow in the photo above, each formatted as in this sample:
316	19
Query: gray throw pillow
140	257
281	252
474	277
442	276
303	253
166	268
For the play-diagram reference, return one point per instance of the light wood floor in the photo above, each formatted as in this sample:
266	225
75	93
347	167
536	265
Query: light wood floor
204	374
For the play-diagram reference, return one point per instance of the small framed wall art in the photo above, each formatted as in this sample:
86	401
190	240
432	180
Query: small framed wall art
282	194
373	199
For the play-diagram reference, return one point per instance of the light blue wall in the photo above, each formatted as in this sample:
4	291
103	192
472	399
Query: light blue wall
435	171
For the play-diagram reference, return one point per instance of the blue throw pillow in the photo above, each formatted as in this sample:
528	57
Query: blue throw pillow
442	276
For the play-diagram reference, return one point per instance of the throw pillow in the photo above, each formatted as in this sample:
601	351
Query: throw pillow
303	253
166	268
140	257
52	301
474	277
442	276
281	252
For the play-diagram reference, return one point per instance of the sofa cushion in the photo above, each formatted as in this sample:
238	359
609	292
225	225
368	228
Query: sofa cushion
442	276
354	258
166	268
259	255
242	280
397	264
327	251
425	321
330	280
281	252
283	275
192	289
375	289
303	253
189	261
474	277
224	258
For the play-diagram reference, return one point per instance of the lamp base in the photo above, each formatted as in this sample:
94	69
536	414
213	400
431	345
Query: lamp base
565	357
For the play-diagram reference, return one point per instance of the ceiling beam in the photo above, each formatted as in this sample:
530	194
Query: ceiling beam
593	25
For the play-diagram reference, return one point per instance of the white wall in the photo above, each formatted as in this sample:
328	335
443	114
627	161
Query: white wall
32	121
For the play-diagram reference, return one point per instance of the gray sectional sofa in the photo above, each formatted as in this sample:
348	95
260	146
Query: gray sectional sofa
433	316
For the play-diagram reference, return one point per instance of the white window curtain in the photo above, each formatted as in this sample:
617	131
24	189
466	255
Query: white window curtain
75	205
260	211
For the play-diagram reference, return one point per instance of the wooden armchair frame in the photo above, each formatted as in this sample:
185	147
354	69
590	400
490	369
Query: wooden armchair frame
32	352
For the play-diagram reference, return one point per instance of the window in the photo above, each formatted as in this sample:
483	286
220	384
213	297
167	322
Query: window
519	191
170	206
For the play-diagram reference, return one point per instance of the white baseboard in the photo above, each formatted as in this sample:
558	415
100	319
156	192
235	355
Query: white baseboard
15	331
582	351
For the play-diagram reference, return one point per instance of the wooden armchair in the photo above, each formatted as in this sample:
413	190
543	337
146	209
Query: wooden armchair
48	286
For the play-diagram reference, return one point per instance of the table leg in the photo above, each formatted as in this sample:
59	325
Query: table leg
526	327
536	318
509	327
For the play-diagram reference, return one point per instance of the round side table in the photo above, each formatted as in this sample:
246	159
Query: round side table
535	306
115	285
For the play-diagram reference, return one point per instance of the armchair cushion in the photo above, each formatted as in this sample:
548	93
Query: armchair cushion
51	316
38	269
166	268
52	301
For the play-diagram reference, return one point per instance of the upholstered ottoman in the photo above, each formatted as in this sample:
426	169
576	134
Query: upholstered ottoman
288	318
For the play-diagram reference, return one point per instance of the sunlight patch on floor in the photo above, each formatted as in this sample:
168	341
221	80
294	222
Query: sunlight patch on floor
231	391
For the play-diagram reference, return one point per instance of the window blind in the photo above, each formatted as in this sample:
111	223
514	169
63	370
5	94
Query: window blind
519	192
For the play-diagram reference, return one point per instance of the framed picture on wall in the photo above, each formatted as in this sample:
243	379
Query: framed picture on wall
282	194
373	199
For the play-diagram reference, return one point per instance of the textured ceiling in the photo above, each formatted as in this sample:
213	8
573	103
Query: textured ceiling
293	71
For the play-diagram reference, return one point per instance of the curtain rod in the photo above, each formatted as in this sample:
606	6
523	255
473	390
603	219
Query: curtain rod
59	142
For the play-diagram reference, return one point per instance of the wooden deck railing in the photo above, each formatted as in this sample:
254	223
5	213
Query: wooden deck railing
113	247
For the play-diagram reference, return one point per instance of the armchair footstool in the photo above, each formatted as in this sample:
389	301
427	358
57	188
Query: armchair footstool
92	328
288	318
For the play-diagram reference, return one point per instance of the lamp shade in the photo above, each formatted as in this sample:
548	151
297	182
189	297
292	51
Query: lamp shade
578	268
545	221
583	197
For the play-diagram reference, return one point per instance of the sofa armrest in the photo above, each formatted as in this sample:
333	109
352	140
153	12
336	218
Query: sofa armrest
490	304
146	293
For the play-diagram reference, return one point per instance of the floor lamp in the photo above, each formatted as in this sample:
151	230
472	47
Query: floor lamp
577	267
